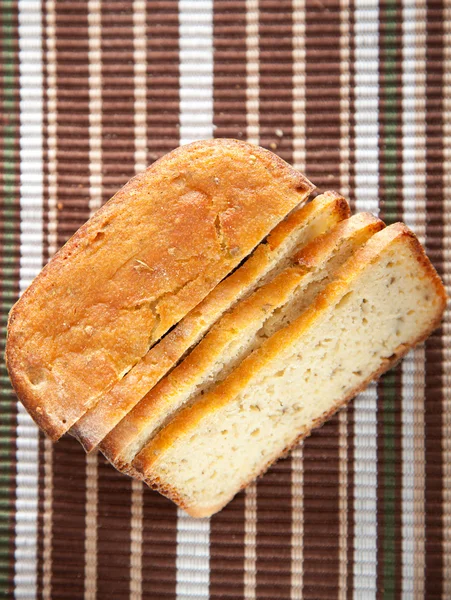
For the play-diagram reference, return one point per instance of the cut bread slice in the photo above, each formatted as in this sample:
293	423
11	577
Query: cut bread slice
384	300
299	228
138	266
238	333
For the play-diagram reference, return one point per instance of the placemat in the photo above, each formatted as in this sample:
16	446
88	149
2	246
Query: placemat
356	94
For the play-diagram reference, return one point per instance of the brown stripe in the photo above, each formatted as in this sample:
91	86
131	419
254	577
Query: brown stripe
117	160
229	96
321	451
322	93
350	413
163	77
68	518
434	346
159	533
344	426
276	77
398	370
276	129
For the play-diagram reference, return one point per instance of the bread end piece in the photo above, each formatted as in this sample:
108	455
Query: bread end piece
59	362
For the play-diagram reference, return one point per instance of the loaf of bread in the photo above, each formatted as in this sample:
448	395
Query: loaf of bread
204	320
270	257
138	266
237	334
383	300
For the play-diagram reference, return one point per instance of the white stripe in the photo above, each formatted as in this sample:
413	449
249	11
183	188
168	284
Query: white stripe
252	72
140	65
252	136
52	219
196	70
414	193
31	259
196	85
95	201
366	190
446	383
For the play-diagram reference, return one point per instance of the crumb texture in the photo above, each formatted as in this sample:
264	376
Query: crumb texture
391	304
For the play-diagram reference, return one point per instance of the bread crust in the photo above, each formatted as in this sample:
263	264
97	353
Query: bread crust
53	376
188	419
171	348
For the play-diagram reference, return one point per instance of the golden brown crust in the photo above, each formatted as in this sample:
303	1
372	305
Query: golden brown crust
188	418
339	210
364	223
129	393
134	267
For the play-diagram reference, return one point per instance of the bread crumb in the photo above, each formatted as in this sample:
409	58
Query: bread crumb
279	133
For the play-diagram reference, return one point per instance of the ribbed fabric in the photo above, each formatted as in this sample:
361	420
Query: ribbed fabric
358	96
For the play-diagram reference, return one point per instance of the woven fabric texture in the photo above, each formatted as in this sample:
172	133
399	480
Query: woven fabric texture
356	94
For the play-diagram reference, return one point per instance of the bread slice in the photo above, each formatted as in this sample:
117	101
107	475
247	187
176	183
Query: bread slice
300	227
238	333
384	300
138	266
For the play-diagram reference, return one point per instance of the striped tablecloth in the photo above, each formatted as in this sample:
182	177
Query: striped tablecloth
358	95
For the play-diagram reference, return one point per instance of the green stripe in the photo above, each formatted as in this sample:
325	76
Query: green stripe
9	264
390	175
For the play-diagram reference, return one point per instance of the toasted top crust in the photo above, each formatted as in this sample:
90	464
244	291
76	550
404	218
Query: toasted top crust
138	266
187	420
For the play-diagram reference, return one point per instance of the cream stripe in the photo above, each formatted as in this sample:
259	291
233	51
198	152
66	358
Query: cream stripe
95	201
50	65
250	537
140	67
366	189
140	82
252	135
414	190
196	122
136	540
344	184
31	258
47	520
446	384
419	354
297	475
252	72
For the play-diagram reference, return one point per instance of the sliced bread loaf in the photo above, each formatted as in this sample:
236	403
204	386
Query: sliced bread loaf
138	266
298	229
385	299
237	334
